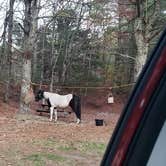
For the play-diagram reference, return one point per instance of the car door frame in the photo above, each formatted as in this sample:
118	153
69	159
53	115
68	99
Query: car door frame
132	118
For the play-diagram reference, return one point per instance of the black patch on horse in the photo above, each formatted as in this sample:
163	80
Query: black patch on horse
48	103
75	104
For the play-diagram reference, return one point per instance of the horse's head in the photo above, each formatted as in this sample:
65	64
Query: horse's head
39	95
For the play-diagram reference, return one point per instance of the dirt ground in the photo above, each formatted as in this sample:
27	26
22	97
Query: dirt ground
31	140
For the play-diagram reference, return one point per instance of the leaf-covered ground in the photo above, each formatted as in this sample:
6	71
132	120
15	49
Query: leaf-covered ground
31	140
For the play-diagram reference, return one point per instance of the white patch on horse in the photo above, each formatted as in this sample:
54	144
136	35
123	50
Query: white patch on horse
56	100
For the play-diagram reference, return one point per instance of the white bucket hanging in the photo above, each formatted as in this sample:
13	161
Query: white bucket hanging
110	98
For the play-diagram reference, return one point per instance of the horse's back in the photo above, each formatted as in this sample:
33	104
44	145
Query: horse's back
59	100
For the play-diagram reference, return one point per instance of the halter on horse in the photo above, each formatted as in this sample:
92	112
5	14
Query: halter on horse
55	101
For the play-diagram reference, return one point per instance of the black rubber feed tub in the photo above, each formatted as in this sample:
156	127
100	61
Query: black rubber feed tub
99	122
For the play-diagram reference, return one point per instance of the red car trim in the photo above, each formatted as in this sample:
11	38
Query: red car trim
139	109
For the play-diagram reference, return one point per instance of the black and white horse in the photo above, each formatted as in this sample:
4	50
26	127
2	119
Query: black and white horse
56	101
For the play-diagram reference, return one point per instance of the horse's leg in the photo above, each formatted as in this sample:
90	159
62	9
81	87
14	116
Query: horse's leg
56	114
51	112
43	101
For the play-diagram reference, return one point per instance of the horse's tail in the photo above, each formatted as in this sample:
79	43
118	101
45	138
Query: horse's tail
76	106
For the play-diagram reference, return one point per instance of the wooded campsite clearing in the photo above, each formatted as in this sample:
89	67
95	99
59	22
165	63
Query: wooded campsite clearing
30	139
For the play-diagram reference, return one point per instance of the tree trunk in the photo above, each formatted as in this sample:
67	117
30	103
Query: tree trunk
42	58
142	47
53	56
34	60
9	50
69	40
29	39
119	61
144	33
3	50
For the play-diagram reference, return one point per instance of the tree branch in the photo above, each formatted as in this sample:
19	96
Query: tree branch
22	28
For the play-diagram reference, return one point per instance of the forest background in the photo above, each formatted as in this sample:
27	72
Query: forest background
76	43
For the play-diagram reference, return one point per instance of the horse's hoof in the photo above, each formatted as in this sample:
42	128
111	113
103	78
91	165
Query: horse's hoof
78	121
50	120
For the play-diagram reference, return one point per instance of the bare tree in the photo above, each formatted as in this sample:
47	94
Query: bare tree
54	57
9	48
3	50
144	31
35	25
29	39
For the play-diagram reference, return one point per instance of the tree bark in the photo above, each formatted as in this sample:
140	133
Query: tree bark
9	50
53	56
4	45
34	58
42	58
119	61
29	39
142	47
144	34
